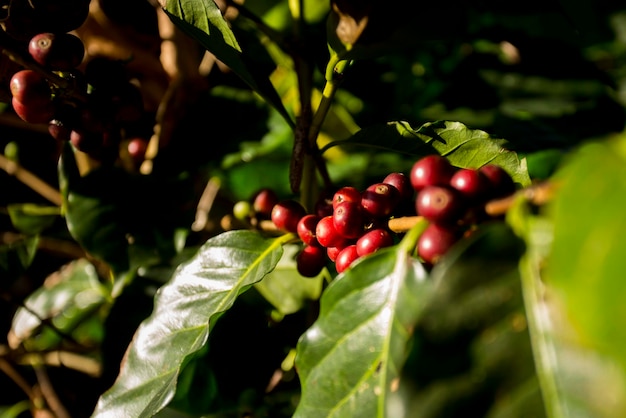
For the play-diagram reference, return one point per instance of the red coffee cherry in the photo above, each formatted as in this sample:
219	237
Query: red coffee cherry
346	257
441	204
311	260
473	184
31	89
435	241
326	233
33	113
432	170
137	148
373	240
57	51
348	219
379	200
346	194
306	229
263	201
402	183
286	215
501	182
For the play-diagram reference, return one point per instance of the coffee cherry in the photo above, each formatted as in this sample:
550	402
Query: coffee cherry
311	261
326	233
345	258
432	170
31	89
373	240
501	182
473	184
333	252
402	183
58	130
306	229
439	204
434	242
137	148
57	51
286	215
379	199
241	210
348	219
346	194
33	113
264	201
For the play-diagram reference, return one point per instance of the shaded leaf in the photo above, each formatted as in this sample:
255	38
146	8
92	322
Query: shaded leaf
15	257
464	147
185	311
31	218
349	360
68	299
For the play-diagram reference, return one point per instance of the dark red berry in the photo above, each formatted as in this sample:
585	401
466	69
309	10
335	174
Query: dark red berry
326	233
345	258
435	241
31	89
501	182
286	215
373	240
432	170
311	260
402	183
348	219
472	184
346	194
439	204
306	229
137	148
33	113
58	51
264	201
379	200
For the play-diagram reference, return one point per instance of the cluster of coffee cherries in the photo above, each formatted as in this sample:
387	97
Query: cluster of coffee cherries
349	223
94	105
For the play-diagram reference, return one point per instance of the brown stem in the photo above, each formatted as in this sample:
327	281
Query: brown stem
44	189
10	371
48	391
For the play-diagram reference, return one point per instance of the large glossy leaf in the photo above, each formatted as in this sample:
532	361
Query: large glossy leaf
63	308
185	311
203	21
464	147
572	276
349	360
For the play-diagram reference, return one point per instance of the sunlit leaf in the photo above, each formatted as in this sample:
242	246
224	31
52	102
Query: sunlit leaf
464	147
349	360
185	311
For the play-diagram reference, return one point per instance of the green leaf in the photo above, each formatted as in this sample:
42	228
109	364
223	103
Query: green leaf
348	361
203	21
17	256
285	288
185	311
31	218
464	147
68	299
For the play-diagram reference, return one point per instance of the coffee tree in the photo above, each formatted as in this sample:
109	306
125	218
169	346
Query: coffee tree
311	209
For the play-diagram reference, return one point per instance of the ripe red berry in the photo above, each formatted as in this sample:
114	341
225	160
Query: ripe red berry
306	229
263	202
402	183
439	204
473	184
326	233
286	215
57	51
501	182
434	242
311	260
137	148
373	240
30	89
348	219
32	113
345	258
432	170
379	200
346	194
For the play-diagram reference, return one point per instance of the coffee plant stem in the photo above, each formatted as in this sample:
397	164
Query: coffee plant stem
44	189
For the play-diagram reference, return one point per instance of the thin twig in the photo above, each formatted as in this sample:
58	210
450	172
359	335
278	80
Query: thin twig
31	180
48	391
